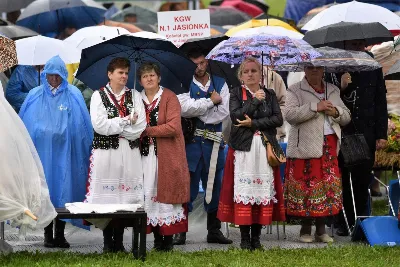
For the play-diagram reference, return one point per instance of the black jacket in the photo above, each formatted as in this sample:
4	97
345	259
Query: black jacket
365	97
265	116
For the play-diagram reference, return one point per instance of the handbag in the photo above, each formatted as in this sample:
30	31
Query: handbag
354	150
275	156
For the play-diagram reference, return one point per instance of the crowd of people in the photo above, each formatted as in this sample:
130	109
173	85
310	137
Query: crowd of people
128	147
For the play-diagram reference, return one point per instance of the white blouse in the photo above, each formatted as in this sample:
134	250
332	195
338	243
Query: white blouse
121	126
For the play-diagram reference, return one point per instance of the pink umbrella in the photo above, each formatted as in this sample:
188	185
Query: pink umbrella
248	8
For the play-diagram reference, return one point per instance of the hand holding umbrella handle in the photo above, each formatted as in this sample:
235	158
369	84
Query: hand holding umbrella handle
345	80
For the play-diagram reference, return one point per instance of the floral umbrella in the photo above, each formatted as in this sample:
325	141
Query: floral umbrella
268	49
8	53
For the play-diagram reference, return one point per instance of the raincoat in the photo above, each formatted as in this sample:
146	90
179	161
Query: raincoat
59	125
22	80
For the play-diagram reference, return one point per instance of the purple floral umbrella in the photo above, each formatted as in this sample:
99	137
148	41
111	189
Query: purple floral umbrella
268	49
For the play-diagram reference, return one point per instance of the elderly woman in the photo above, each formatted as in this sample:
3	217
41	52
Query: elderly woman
166	173
313	183
115	175
251	194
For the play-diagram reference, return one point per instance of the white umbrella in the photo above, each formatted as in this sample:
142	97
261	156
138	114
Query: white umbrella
272	30
93	35
37	50
354	12
149	35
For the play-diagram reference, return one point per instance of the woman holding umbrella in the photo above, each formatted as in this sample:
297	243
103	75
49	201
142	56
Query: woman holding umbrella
313	182
251	194
166	174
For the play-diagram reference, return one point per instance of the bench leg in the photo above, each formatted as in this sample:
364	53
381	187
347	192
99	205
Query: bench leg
143	235
135	242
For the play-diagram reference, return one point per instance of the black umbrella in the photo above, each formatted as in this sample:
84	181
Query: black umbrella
394	72
334	35
221	69
227	16
336	60
176	70
16	32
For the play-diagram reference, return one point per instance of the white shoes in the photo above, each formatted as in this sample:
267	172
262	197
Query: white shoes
324	238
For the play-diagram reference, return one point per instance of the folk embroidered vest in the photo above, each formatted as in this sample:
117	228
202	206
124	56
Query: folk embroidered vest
112	141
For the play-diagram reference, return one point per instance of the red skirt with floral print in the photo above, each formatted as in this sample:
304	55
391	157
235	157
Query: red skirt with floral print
313	186
241	214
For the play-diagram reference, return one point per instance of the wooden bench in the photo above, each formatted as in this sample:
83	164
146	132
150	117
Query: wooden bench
137	220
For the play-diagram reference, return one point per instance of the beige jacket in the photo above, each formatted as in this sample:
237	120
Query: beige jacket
306	135
274	81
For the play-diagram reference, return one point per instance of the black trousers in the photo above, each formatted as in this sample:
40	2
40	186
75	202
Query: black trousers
361	178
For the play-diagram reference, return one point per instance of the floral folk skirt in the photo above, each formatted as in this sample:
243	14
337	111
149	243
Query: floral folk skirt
313	186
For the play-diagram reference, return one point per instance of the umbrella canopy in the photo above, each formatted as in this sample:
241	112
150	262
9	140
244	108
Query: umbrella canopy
143	15
54	16
271	30
268	49
334	35
16	32
176	70
269	16
218	68
244	6
258	3
93	35
37	50
336	60
312	13
13	5
354	12
394	72
221	16
254	23
8	53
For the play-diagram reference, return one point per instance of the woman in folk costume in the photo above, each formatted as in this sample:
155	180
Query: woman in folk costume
252	193
58	122
115	175
166	174
312	179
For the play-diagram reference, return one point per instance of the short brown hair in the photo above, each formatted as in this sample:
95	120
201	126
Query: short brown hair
118	63
148	66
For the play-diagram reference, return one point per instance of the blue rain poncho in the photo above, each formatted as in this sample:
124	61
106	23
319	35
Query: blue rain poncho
60	128
22	80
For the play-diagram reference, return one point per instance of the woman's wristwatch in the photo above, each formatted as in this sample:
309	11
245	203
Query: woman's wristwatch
336	113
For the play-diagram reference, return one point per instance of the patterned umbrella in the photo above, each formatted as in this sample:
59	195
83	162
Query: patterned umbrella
8	53
336	60
268	49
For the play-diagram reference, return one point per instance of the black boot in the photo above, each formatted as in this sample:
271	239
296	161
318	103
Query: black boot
158	241
119	239
214	233
168	243
59	239
48	236
180	239
255	236
108	239
245	237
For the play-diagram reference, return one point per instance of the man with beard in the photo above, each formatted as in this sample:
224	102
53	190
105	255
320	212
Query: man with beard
364	94
207	104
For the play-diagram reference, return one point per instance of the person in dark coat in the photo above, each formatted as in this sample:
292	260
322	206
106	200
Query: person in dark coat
364	94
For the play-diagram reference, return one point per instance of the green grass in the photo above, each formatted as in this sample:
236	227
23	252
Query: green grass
350	255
